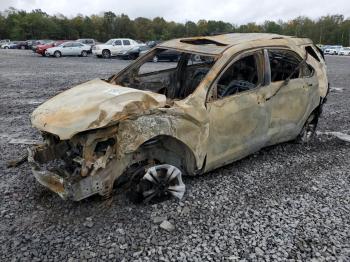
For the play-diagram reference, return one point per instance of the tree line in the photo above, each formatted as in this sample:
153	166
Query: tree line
21	25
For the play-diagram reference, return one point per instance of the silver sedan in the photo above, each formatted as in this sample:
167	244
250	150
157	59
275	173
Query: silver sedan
68	49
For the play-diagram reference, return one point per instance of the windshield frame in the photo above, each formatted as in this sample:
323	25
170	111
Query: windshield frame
145	58
201	89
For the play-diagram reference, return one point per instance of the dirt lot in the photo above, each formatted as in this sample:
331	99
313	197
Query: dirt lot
285	202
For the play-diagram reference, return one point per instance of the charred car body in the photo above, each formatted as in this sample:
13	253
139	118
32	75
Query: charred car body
144	129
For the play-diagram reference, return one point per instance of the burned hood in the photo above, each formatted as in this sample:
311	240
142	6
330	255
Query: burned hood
91	105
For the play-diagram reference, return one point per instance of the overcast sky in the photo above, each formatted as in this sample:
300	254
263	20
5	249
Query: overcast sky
233	11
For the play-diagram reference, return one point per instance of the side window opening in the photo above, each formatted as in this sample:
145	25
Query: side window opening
242	75
320	51
312	52
126	42
68	45
283	64
307	70
169	72
117	42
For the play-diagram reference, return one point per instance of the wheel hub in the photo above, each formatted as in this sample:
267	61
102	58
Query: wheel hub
163	180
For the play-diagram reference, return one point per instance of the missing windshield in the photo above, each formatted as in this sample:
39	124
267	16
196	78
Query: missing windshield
172	73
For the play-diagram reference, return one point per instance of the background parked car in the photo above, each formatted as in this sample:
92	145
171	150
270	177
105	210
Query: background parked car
40	42
333	50
144	50
117	47
153	43
68	49
23	45
41	49
167	55
31	42
10	45
88	41
133	53
4	41
344	51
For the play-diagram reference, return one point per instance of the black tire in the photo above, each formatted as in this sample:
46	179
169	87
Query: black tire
309	129
6	47
106	53
132	56
84	53
57	54
23	47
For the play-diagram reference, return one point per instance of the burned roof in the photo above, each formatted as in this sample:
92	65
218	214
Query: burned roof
215	45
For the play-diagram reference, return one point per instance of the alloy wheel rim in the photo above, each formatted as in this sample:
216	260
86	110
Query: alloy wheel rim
163	180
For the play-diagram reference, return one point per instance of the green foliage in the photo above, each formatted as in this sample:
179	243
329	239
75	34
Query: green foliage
21	25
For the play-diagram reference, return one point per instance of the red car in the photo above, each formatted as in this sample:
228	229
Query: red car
40	49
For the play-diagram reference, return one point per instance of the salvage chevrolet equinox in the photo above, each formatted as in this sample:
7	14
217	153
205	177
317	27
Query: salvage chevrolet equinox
142	129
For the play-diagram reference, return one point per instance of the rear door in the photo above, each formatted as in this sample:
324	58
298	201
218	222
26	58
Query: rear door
289	102
126	45
77	48
67	49
116	47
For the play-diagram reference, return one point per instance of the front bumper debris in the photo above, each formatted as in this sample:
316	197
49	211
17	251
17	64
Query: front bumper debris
67	186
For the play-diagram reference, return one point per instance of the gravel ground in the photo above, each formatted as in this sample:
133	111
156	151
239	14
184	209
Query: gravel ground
286	202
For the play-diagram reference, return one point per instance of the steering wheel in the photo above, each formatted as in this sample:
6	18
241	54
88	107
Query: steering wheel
236	86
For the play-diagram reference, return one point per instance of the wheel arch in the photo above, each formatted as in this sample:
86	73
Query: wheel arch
170	150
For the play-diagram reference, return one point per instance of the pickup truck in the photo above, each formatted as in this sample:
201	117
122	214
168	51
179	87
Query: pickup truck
118	47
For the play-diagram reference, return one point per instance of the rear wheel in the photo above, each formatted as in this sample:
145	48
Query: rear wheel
106	53
6	47
83	53
57	54
309	129
23	47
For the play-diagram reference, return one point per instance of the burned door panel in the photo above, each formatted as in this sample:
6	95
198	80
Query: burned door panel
238	118
289	95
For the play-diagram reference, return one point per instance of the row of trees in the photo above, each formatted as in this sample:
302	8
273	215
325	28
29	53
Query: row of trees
19	25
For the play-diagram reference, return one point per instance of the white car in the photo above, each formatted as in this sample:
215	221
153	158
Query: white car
345	51
68	49
117	47
332	50
9	45
4	41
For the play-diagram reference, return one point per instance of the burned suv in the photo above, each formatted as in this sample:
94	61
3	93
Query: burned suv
226	97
